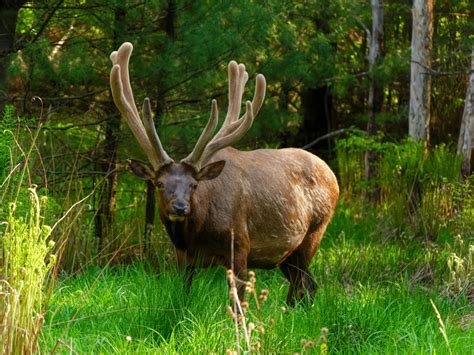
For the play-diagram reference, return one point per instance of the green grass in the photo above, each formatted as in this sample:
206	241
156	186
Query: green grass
374	297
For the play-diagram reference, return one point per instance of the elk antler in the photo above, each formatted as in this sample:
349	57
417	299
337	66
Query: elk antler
233	128
143	130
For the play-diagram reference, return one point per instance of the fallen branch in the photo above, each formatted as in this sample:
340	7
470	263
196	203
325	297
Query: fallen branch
329	135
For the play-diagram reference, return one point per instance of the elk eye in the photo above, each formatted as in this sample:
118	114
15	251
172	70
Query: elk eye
159	184
193	186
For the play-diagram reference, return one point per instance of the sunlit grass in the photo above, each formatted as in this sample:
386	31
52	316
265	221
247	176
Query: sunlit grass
374	297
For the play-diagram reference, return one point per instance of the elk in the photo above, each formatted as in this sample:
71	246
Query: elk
272	205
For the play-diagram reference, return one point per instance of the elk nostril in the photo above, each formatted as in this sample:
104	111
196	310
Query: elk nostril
180	208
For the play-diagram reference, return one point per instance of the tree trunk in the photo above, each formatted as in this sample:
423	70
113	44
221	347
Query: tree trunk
375	99
106	204
149	218
169	23
466	133
420	81
8	17
316	104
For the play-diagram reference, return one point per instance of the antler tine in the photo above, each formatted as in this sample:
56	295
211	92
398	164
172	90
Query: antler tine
205	137
218	143
123	97
237	79
151	132
122	57
257	102
259	95
233	128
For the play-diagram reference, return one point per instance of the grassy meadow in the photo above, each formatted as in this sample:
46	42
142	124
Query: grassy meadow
376	295
394	276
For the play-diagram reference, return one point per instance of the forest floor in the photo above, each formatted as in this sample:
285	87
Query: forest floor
376	295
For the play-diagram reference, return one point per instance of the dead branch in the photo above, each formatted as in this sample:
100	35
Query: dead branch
329	135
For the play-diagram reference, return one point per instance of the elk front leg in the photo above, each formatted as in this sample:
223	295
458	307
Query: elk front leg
240	275
186	266
237	262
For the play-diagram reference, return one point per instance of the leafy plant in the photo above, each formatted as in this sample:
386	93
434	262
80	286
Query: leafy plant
7	127
25	262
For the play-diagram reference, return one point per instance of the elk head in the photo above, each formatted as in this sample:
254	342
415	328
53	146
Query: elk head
176	182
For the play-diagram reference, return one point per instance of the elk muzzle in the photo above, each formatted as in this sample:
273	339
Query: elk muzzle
179	210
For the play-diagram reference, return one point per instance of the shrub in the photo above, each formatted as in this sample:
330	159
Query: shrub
420	190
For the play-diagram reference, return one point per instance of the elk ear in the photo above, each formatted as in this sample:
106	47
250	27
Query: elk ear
211	171
141	169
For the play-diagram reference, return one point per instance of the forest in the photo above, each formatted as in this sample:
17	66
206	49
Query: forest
381	91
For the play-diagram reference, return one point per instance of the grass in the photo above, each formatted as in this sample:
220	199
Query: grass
375	296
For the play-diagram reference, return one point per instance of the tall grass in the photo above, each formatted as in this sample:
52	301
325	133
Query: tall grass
26	257
24	266
371	300
28	253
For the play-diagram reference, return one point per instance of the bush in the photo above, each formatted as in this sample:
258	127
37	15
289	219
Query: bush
420	190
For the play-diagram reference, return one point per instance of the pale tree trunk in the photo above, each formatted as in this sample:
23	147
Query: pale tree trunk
420	81
375	99
466	133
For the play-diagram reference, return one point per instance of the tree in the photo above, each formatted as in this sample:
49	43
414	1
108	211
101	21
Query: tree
466	133
169	22
8	17
375	88
109	160
420	81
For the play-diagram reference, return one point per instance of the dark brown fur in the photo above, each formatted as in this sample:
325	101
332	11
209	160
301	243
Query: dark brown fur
276	203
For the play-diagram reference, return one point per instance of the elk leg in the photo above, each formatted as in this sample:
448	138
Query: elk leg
302	284
186	267
239	268
296	266
240	272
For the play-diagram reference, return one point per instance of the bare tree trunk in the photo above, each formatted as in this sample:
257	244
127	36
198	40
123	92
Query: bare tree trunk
466	133
317	107
375	99
420	81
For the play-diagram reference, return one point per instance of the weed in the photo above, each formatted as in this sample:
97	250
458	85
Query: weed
26	261
442	326
249	324
461	269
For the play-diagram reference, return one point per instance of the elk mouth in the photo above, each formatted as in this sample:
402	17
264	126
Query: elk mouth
176	218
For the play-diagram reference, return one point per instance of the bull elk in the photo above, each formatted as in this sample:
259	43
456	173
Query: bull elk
272	204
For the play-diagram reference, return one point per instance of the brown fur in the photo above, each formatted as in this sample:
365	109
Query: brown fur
277	204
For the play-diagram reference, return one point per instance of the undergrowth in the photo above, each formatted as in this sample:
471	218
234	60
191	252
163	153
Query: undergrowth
25	262
374	297
395	275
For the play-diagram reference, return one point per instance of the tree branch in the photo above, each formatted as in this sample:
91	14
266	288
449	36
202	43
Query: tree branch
337	78
48	18
433	72
329	135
